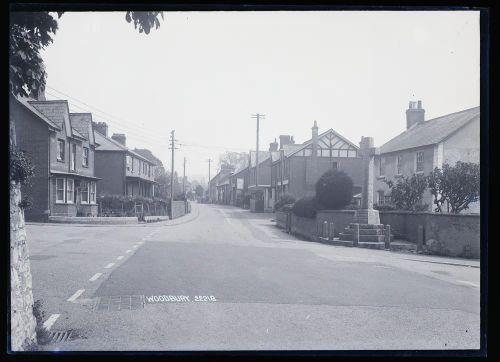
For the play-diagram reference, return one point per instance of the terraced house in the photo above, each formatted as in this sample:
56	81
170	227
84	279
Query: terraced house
61	146
123	171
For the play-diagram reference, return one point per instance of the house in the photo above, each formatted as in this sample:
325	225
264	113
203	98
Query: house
223	189
62	147
239	185
218	185
261	192
297	167
425	145
123	171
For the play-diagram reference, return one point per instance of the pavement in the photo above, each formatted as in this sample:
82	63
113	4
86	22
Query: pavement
222	278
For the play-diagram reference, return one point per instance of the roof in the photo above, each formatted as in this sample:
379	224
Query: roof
308	142
275	156
57	111
74	132
430	132
144	152
263	156
109	144
82	122
40	115
291	148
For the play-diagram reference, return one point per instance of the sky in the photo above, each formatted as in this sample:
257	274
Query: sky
204	74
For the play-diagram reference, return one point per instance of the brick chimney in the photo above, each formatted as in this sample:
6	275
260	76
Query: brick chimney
120	138
414	114
101	127
285	140
273	146
39	95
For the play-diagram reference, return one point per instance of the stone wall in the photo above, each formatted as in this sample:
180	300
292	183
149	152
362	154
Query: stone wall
444	234
178	209
281	219
94	220
340	218
21	295
305	227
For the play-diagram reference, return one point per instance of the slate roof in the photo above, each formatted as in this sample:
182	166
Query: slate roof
75	132
144	152
275	156
82	122
263	156
291	148
109	144
57	111
430	132
25	103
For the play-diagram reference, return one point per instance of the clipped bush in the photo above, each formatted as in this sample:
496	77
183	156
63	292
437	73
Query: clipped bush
385	207
334	190
285	199
306	207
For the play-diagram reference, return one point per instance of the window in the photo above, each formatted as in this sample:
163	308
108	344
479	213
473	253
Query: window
420	162
73	157
85	161
145	168
351	153
381	198
70	188
342	153
129	162
92	192
60	190
84	192
399	165
308	152
387	199
149	171
60	150
381	170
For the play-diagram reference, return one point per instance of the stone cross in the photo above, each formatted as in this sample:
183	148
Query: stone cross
368	152
366	214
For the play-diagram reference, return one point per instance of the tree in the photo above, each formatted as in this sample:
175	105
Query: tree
334	189
306	207
30	32
199	190
285	199
407	192
455	186
232	161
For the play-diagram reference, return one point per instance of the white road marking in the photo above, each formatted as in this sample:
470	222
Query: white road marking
120	257
95	277
225	216
76	295
50	322
128	251
109	265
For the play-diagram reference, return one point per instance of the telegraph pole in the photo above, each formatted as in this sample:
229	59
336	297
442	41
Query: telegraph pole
258	117
208	185
172	147
184	178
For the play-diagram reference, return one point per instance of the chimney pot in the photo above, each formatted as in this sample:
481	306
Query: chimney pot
414	114
120	138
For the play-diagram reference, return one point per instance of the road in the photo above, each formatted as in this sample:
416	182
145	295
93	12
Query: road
223	278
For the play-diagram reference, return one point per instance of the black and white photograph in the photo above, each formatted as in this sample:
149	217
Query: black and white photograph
246	179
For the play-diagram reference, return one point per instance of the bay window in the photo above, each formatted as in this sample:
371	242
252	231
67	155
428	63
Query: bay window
84	191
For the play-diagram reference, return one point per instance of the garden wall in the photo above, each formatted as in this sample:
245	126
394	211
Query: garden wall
178	209
94	220
281	219
340	218
444	234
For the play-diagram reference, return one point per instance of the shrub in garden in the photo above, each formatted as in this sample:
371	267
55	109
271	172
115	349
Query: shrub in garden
334	190
306	207
285	199
407	192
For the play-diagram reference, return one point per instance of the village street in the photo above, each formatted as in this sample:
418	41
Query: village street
240	284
